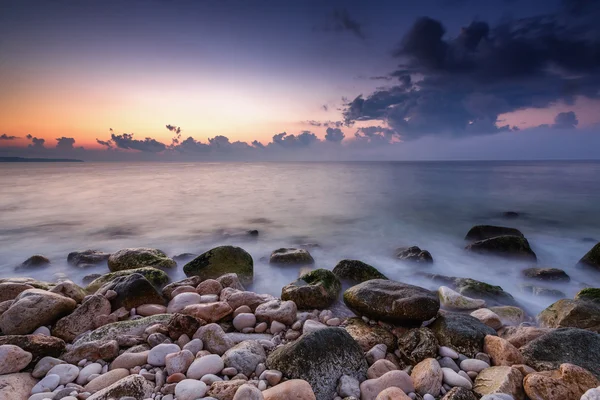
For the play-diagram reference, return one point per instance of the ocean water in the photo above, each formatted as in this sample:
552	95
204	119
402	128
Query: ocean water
351	210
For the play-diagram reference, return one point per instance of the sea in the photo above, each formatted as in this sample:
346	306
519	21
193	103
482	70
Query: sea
341	210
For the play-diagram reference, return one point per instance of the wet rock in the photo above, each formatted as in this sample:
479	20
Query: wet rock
501	351
29	281
9	290
16	386
568	313
565	345
591	294
519	336
82	319
417	345
493	295
154	275
87	258
501	379
509	315
367	335
294	389
32	309
506	246
92	351
482	232
455	301
546	274
370	388
392	301
133	385
245	356
291	256
427	377
220	261
315	289
320	358
230	280
592	258
277	310
460	332
414	254
132	291
356	271
36	261
39	346
568	382
139	257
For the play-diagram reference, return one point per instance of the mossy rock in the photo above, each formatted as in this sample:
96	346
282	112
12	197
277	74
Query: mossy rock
138	258
135	327
592	294
315	289
493	295
356	271
220	261
546	274
156	276
592	258
29	281
516	247
482	232
567	313
132	291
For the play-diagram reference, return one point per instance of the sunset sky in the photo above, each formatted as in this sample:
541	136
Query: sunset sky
394	73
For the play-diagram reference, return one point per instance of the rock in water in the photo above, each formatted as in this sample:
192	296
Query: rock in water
320	358
220	261
506	246
139	257
414	254
356	271
291	256
32	309
546	274
36	261
493	295
156	276
482	232
568	313
392	301
592	258
592	294
456	301
87	257
315	289
564	345
461	332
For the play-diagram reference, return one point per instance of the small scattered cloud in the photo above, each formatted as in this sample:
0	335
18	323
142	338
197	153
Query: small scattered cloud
65	143
36	143
565	120
148	145
4	136
334	135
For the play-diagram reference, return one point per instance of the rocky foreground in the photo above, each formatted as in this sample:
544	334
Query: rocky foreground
132	335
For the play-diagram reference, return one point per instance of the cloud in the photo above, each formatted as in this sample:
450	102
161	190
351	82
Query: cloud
285	140
174	129
4	136
565	120
148	145
65	143
107	143
314	123
334	135
36	143
340	21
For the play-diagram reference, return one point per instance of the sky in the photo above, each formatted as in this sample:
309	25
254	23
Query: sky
172	80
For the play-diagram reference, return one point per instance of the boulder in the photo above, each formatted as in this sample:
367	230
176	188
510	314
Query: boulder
220	261
132	291
87	258
392	301
568	382
16	386
82	319
592	258
356	271
320	358
291	256
154	275
9	290
461	332
495	380
39	346
414	254
138	258
493	295
546	274
32	309
482	232
276	310
245	356
417	345
315	289
519	336
506	246
592	294
455	301
134	327
132	386
367	335
565	345
568	313
70	289
36	261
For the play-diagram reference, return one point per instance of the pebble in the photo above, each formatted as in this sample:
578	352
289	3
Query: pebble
504	396
210	364
130	360
190	389
48	384
42	330
376	353
157	355
292	334
67	373
261	327
244	320
209	286
183	300
210	378
248	392
427	396
453	379
195	345
447	352
262	385
272	376
106	379
87	371
311	326
44	365
146	310
333	322
473	365
42	396
380	368
277	327
483	357
178	362
370	388
447	362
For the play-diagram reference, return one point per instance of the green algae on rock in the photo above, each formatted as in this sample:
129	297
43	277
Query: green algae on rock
315	289
139	257
156	276
220	261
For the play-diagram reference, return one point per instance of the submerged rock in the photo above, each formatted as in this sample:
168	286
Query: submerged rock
132	291
291	256
506	246
456	301
546	274
591	258
315	289
541	291
320	358
391	301
36	261
592	294
493	295
414	254
86	258
482	232
461	332
356	271
567	313
156	276
220	261
138	258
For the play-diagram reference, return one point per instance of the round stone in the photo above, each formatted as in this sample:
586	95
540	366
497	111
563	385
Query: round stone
244	320
67	373
210	364
190	389
48	384
157	355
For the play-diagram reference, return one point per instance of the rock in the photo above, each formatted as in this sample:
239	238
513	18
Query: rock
178	362
87	371
180	324
565	345
291	256
16	386
392	301
473	365
135	327
416	345
568	382
509	315
592	394
130	360
38	345
456	301
236	298
225	390
493	295
320	358
82	319
315	289
482	232
367	335
214	338
209	286
220	261
231	281
33	308
48	384
69	289
460	332
243	321
540	291
568	313
138	258
248	392
497	396
92	351
378	352
414	254
86	258
157	355
294	389
502	379
133	385
501	351
488	317
459	393
546	274
427	377
29	281
36	261
506	246
66	372
13	359
156	276
519	336
182	300
370	388
9	290
447	362
451	378
380	368
190	389
392	393
277	310
106	379
592	258
245	356
355	271
146	310
592	294
348	386
44	365
132	291
209	312
168	290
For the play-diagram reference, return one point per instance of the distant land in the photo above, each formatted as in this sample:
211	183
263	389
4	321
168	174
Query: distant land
24	159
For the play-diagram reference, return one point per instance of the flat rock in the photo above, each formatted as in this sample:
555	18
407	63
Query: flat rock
39	346
131	328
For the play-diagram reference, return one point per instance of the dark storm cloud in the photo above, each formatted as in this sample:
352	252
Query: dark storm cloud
459	86
65	143
4	136
148	145
565	120
334	135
